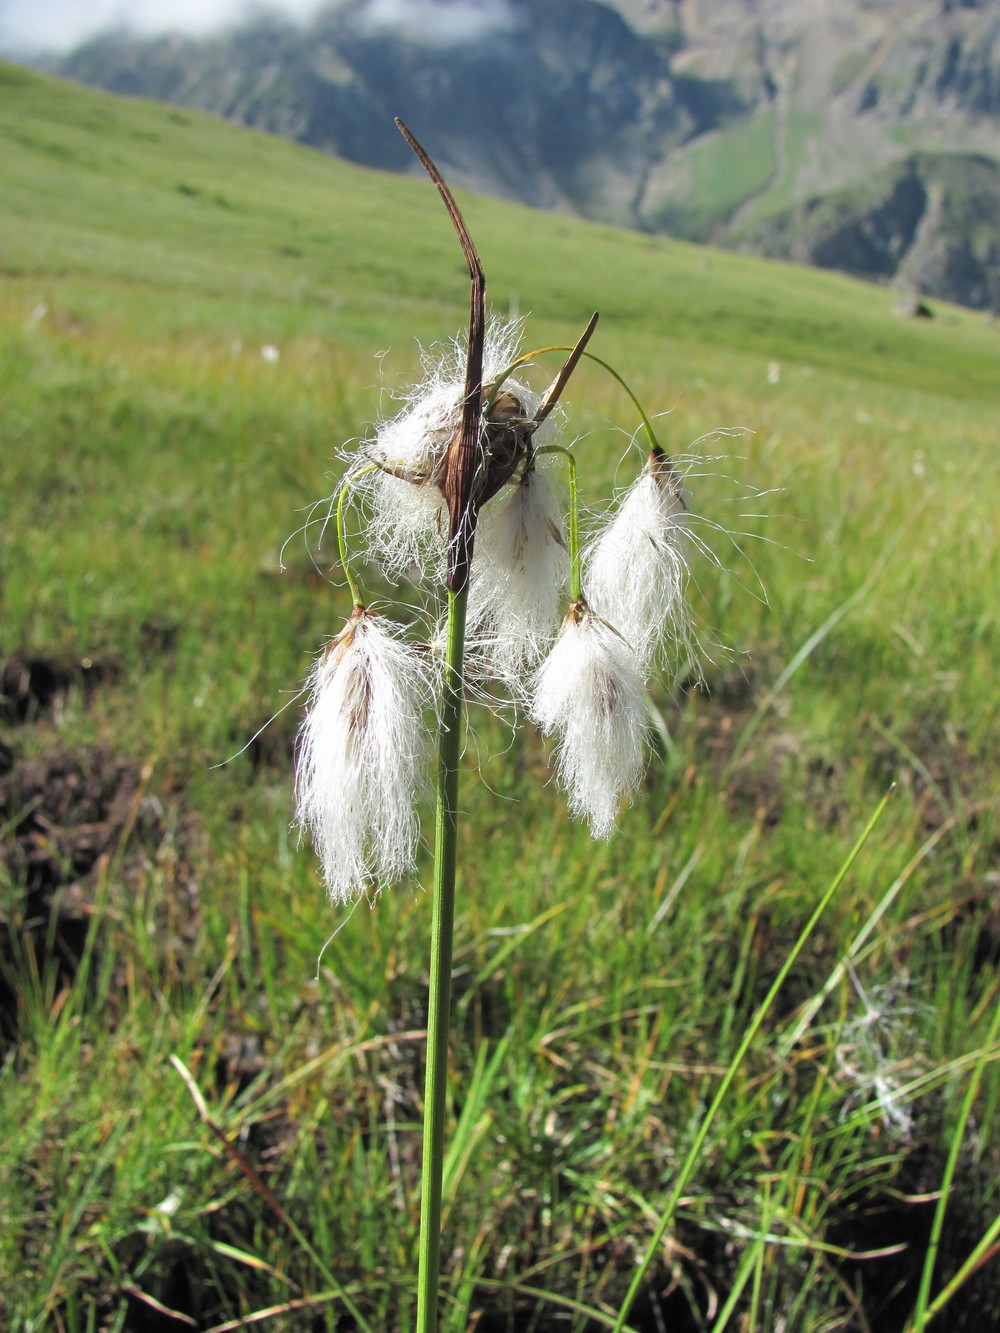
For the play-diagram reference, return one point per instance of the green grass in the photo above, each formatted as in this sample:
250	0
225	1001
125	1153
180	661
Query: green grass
151	466
722	170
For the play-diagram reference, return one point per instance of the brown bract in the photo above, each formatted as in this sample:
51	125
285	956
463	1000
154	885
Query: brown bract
489	446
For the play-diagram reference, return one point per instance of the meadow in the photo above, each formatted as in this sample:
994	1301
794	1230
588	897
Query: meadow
211	1079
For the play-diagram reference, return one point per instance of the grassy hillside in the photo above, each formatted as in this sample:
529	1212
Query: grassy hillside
156	908
719	123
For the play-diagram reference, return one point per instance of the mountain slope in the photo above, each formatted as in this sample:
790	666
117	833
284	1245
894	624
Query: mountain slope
929	222
558	105
247	235
726	123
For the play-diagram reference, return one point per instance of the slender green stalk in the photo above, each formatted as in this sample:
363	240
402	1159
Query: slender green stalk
988	1248
527	357
442	931
575	558
352	583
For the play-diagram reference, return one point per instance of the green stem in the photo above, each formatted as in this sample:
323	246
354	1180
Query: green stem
353	584
575	558
647	425
442	932
527	357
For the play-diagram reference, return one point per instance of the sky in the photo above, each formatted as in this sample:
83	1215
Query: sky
33	27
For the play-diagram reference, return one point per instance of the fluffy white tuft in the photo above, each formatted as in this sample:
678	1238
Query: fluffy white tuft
406	523
637	567
518	575
589	694
413	443
405	527
361	756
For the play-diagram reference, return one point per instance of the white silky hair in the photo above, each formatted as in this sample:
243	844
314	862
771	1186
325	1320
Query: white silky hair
588	693
397	482
405	528
519	576
637	570
362	752
414	442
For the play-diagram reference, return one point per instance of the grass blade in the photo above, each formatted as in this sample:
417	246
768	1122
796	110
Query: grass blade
689	1163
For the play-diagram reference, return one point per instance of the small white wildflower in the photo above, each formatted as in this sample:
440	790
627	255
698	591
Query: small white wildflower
361	756
637	567
588	692
519	574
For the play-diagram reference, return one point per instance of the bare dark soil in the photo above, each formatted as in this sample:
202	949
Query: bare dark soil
31	686
72	819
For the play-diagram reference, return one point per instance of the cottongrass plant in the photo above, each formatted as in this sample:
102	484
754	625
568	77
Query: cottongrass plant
398	475
470	466
362	755
589	694
637	565
519	578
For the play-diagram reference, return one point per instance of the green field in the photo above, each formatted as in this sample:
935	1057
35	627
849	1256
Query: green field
162	934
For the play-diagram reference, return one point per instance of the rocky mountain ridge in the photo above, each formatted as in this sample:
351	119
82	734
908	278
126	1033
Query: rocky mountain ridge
862	135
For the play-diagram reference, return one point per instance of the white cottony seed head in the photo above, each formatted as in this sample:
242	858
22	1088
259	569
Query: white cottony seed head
637	568
413	443
362	743
406	520
361	756
518	576
589	694
406	526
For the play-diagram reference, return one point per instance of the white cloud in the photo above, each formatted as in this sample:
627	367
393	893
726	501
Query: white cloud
31	26
437	22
